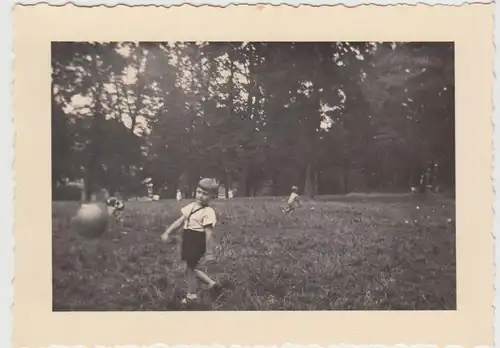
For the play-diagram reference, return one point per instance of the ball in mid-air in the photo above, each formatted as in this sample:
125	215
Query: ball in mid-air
92	219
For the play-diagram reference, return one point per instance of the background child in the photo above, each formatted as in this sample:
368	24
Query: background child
293	200
198	220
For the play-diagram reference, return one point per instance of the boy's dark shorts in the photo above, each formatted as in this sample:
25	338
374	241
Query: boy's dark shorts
193	247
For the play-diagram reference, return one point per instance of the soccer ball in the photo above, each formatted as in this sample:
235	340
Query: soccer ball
92	220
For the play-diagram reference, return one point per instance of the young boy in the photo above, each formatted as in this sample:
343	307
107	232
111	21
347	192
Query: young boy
293	200
198	220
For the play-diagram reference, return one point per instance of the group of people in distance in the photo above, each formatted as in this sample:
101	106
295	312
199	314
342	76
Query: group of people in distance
197	220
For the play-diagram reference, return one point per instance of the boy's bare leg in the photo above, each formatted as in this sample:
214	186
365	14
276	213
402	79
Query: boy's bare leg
204	278
215	288
191	281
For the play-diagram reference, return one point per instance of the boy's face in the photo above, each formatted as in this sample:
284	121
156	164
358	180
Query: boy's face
202	195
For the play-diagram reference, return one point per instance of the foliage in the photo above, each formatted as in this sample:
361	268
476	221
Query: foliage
328	117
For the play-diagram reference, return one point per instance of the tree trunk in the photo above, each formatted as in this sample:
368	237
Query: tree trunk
227	184
309	185
274	183
87	191
91	179
243	182
83	191
345	172
316	182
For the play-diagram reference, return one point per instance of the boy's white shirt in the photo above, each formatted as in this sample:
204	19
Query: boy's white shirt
292	198
202	217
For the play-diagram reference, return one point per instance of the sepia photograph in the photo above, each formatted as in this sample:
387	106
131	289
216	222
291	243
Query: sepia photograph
253	176
268	181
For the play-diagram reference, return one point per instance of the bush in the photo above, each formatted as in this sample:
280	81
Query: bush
66	193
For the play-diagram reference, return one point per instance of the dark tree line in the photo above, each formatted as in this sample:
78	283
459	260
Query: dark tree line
329	117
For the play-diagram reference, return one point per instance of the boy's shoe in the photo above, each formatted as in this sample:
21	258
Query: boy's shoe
216	290
189	299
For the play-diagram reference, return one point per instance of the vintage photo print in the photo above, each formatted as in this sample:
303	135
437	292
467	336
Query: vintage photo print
301	175
274	177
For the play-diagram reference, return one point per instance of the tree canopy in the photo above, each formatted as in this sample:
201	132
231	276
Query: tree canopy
258	116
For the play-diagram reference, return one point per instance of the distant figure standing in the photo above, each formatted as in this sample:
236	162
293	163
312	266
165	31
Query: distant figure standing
179	195
293	200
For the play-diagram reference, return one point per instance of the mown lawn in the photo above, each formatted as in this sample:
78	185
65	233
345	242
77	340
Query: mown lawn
358	253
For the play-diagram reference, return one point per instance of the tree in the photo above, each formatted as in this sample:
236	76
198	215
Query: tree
328	117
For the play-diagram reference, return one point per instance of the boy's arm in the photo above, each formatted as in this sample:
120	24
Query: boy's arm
209	221
174	226
209	254
209	230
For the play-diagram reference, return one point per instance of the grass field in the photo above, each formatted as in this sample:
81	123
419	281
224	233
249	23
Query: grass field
342	253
